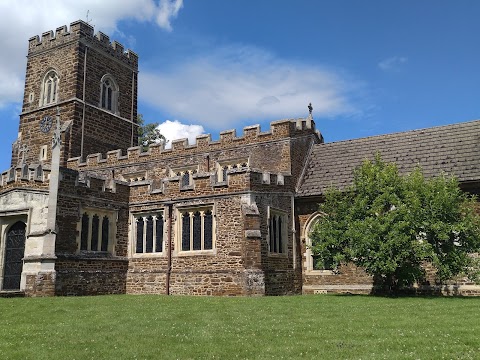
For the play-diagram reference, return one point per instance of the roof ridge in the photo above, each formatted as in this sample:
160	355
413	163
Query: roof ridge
403	132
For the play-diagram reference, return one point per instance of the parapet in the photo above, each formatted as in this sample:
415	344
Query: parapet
25	175
72	180
81	30
282	129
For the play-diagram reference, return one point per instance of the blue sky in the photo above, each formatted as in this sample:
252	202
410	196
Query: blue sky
368	67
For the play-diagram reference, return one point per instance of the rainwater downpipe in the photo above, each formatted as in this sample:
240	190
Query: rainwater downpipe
131	110
169	249
83	99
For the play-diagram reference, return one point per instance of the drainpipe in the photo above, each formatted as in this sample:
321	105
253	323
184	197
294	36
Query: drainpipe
169	249
83	98
131	108
294	233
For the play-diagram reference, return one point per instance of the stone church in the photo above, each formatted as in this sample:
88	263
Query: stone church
84	210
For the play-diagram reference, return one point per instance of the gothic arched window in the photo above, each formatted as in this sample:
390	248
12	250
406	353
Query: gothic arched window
49	91
314	264
277	231
109	94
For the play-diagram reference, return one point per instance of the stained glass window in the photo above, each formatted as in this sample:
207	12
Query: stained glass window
50	88
277	232
84	232
149	235
139	247
105	233
208	228
159	233
197	230
95	227
186	231
186	179
108	96
96	231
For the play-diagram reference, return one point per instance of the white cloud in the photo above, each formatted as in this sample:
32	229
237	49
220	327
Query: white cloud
22	19
168	10
241	83
174	130
392	64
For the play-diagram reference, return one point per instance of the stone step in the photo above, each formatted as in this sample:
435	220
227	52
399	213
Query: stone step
11	293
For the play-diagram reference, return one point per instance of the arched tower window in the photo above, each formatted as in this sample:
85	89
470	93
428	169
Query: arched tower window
49	91
109	94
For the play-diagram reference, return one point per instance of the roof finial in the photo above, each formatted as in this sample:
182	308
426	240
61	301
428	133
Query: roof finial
310	109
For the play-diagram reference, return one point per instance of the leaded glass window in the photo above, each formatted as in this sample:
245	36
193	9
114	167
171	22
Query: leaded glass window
186	231
277	232
208	230
85	232
197	230
139	248
159	233
223	167
108	94
105	233
50	88
148	233
186	179
95	229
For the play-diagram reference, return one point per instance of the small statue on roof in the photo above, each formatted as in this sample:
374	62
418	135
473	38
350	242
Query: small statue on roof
310	108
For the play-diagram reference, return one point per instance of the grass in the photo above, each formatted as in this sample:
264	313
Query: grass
291	327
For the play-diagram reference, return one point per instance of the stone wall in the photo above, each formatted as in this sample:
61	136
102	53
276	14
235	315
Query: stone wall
90	272
77	275
40	284
240	263
75	55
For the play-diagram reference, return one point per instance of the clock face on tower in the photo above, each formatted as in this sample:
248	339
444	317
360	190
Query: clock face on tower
46	124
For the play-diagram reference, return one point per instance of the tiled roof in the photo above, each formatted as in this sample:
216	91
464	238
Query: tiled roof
453	149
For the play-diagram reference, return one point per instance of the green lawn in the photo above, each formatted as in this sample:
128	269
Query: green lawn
180	327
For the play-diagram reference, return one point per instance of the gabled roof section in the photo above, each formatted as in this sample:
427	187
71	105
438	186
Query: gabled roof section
452	149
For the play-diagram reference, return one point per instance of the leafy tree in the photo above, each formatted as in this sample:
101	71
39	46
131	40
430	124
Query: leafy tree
392	225
148	133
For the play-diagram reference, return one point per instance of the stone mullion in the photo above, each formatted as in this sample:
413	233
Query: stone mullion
90	229
144	235
190	215
202	229
99	231
277	237
154	224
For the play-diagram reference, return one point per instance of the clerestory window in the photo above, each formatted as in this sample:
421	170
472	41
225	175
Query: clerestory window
196	227
49	89
224	167
185	177
109	94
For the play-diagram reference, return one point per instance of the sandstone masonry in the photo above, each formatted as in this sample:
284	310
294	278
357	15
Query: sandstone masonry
84	211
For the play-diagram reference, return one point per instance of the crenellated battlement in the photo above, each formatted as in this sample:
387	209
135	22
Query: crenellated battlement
81	30
25	175
288	128
73	181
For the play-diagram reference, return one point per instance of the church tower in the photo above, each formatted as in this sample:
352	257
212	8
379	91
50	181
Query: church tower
91	82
